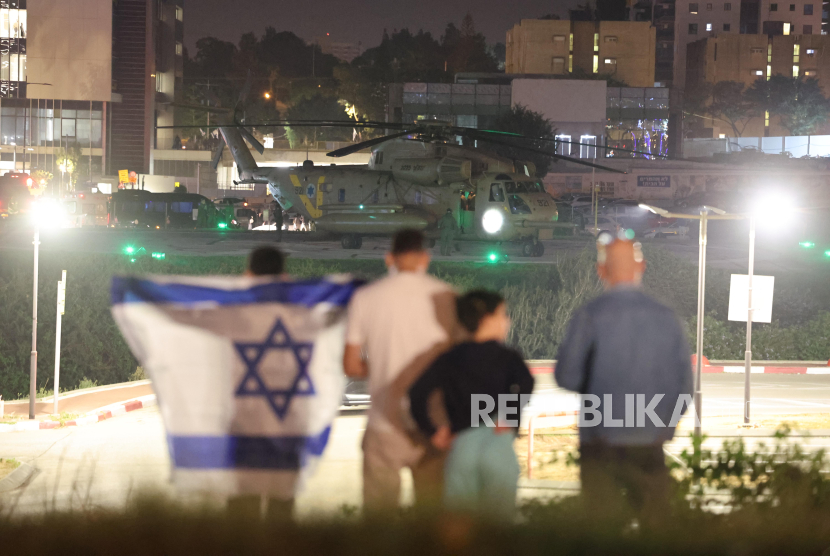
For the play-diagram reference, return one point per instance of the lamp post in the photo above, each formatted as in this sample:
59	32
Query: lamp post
749	311
33	357
704	218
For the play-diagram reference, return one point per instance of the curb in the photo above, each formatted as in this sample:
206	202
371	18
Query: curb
17	477
94	416
549	369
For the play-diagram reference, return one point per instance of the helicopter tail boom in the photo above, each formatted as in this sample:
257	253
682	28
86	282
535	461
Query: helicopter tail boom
240	151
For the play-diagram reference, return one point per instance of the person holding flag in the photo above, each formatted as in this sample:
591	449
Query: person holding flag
247	370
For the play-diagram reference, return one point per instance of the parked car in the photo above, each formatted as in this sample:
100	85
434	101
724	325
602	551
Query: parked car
673	229
604	225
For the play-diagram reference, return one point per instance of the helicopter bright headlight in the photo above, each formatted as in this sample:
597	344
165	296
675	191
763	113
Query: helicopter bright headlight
492	221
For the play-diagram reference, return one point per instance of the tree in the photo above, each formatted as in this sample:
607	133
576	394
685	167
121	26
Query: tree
799	103
523	121
466	50
729	103
318	107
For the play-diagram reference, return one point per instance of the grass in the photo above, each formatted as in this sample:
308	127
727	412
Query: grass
7	465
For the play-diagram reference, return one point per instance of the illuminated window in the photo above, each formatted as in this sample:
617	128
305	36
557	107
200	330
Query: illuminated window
610	38
758	72
810	73
559	38
12	24
558	65
693	7
708	26
787	27
722	136
596	42
795	71
810	51
769	71
596	63
766	118
158	82
179	13
571	42
570	63
611	61
587	148
564	147
796	52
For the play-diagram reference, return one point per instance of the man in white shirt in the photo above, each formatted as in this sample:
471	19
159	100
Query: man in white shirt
396	327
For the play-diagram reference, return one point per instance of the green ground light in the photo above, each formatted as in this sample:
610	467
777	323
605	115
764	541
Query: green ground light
222	225
159	256
807	244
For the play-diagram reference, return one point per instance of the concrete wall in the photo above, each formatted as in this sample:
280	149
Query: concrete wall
69	45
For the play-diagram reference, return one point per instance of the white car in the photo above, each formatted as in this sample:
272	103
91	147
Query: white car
604	224
675	229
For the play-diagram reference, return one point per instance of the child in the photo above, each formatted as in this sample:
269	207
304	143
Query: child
481	472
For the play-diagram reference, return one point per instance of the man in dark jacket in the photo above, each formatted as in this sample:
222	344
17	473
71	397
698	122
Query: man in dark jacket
627	355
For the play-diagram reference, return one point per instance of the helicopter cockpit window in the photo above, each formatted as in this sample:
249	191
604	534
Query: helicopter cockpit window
496	193
517	205
511	187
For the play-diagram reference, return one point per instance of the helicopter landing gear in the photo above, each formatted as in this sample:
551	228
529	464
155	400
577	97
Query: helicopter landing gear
531	248
351	242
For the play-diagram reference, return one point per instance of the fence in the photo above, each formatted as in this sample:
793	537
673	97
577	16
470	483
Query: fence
797	146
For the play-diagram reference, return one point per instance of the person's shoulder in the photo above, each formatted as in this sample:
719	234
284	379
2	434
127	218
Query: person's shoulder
433	283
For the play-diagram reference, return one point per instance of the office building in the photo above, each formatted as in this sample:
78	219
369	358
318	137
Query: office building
93	75
345	51
623	50
747	58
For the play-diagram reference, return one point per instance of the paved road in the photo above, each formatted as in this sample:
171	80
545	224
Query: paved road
727	253
106	463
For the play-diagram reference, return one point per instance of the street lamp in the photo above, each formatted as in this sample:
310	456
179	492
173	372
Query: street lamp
704	218
45	213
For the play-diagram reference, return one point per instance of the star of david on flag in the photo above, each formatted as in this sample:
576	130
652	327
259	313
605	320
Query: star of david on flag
254	384
248	373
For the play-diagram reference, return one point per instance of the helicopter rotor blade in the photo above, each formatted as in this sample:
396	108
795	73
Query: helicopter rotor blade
252	140
365	144
546	153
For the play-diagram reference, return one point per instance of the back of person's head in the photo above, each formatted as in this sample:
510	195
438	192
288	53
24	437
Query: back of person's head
620	261
266	261
475	306
408	253
407	241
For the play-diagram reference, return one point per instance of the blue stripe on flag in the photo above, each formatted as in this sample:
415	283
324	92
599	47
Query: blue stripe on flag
287	453
302	292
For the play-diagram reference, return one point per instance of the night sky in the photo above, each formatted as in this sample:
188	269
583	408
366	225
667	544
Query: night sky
357	20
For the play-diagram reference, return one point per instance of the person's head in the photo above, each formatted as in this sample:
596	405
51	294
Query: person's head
483	313
265	261
620	262
408	253
449	211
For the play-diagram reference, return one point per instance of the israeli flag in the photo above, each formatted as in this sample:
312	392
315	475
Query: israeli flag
247	371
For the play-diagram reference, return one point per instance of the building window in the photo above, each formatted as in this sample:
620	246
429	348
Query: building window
564	147
773	7
588	148
179	13
787	27
795	71
12	24
341	195
766	118
810	52
571	42
708	7
158	82
708	26
179	49
558	65
610	38
570	63
559	38
727	27
808	9
810	73
693	28
796	53
596	42
769	71
757	73
611	61
596	63
792	7
693	7
808	29
756	50
727	7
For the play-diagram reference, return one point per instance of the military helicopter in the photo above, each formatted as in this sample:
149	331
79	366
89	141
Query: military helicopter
413	177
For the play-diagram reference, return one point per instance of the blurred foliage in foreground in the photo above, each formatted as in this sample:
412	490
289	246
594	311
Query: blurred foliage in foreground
542	299
773	501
